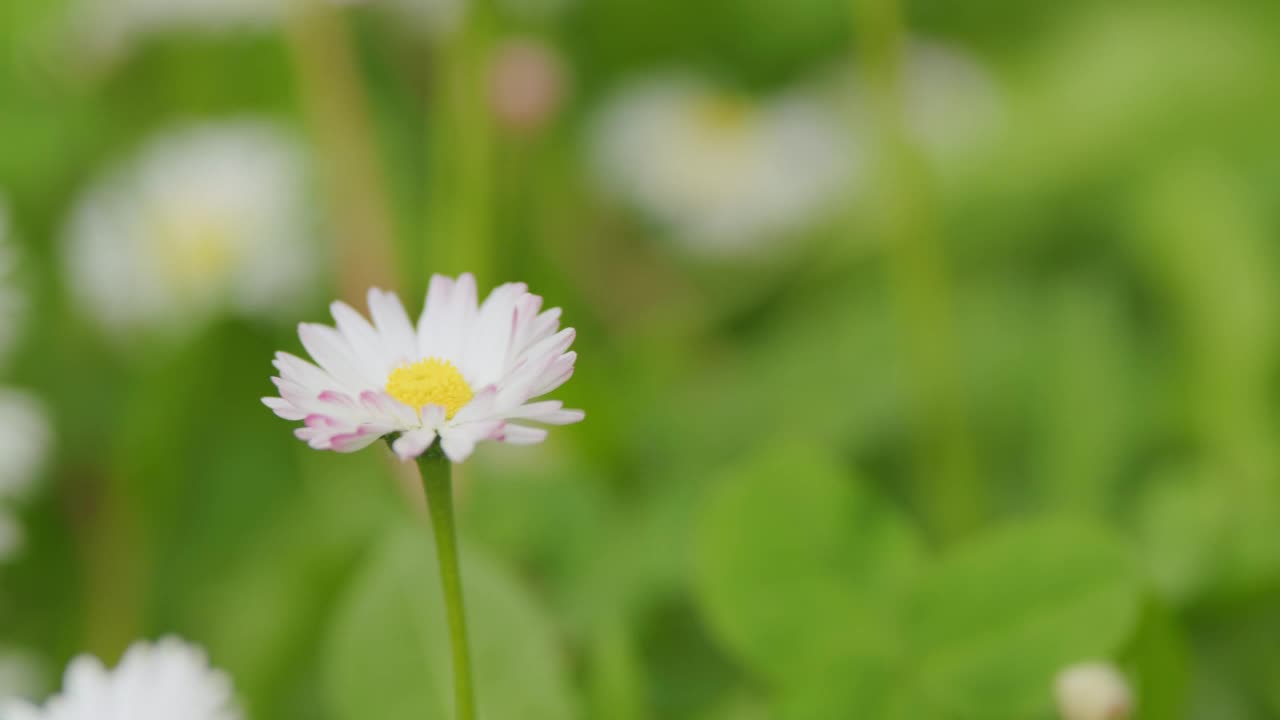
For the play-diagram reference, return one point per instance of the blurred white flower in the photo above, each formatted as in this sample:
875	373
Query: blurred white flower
166	680
110	27
202	220
24	442
951	103
12	301
433	18
465	374
438	19
11	534
723	173
21	675
1093	691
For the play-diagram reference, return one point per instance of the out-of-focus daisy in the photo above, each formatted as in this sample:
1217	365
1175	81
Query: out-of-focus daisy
22	675
466	372
109	28
203	219
951	103
1093	691
723	173
162	681
11	300
24	442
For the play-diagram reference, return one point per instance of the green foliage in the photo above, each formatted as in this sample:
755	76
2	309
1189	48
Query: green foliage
389	650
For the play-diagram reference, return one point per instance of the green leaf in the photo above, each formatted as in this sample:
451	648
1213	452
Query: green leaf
389	652
996	620
790	546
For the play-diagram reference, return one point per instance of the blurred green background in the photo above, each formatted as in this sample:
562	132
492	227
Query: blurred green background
926	348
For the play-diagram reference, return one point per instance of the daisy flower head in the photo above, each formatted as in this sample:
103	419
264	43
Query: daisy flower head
1093	691
22	675
465	373
724	174
154	681
110	28
204	219
24	443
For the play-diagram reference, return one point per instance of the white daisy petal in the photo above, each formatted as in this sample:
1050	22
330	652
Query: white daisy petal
364	340
334	354
459	441
413	443
458	377
392	322
521	435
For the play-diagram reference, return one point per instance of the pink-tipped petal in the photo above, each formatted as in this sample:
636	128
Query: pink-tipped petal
521	435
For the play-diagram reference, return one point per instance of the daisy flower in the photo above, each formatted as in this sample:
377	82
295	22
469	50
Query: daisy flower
110	28
1093	691
24	443
204	219
724	174
161	681
22	675
465	373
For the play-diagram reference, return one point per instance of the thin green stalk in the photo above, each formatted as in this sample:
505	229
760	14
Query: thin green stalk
337	110
951	490
437	480
461	207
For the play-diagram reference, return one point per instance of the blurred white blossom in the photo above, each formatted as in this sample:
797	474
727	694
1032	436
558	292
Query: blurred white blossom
111	27
24	443
22	675
723	173
204	219
1093	691
951	102
166	680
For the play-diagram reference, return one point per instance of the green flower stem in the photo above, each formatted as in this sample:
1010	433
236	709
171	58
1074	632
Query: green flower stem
460	208
951	491
437	480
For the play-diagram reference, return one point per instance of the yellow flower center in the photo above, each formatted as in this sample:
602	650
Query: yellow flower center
725	114
430	382
196	248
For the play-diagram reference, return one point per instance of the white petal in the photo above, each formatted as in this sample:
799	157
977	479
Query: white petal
413	443
459	441
521	435
365	342
484	359
448	317
332	352
550	412
398	338
556	375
